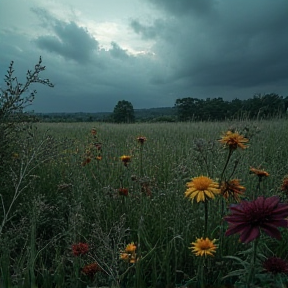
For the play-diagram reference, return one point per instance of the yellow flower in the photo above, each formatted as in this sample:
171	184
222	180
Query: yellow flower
125	159
129	254
202	188
203	247
234	140
232	188
130	248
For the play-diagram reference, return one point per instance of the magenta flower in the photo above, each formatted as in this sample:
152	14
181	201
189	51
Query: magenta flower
249	217
275	265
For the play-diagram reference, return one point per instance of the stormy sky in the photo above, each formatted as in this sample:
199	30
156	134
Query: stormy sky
148	52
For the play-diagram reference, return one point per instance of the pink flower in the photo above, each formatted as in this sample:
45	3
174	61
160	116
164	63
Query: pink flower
249	217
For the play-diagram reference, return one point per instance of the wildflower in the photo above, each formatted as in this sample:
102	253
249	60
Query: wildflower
86	161
203	247
99	158
145	188
202	188
93	131
98	146
249	217
91	269
123	191
125	159
284	186
80	249
129	254
234	140
275	265
259	172
232	188
141	139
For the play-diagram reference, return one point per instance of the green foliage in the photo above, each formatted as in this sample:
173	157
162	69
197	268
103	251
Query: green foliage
13	101
123	112
70	202
259	107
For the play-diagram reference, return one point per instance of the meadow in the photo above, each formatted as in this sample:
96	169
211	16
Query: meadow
104	205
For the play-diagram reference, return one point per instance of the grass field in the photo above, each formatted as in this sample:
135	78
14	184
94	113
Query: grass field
77	190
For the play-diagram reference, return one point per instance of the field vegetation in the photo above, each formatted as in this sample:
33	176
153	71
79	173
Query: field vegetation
108	205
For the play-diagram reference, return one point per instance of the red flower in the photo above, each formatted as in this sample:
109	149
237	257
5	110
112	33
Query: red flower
265	214
91	269
123	191
80	249
275	265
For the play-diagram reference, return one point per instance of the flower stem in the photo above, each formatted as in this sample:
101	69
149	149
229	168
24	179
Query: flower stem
205	217
141	161
253	262
226	164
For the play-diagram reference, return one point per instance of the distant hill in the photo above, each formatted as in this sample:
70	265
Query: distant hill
167	114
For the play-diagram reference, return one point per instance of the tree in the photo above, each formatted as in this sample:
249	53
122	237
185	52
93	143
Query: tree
123	112
13	102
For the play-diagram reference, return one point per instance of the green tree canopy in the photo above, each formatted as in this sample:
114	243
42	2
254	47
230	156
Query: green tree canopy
124	112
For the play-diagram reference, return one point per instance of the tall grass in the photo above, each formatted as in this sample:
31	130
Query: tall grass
71	202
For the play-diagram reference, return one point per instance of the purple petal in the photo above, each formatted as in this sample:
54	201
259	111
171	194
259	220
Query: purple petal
250	234
234	219
279	222
238	228
272	201
271	231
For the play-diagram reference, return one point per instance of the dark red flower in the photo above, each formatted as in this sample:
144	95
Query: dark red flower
80	249
123	191
275	265
91	269
249	217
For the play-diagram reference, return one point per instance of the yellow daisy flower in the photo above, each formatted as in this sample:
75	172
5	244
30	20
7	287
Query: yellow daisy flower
234	140
202	188
203	247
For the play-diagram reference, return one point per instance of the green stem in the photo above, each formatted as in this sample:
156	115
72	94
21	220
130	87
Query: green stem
201	272
141	160
206	217
226	164
253	262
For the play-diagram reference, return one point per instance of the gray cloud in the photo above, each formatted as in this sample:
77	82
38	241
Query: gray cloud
148	32
118	52
234	47
182	7
198	48
70	41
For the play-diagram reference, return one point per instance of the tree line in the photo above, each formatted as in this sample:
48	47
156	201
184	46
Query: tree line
260	106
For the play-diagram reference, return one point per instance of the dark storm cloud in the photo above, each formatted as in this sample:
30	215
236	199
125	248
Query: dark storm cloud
179	7
240	44
70	41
